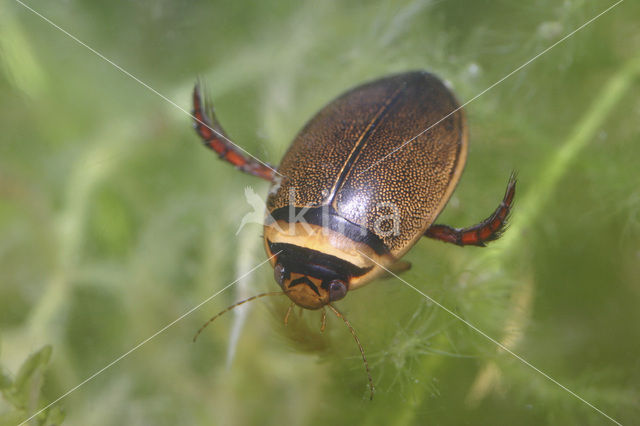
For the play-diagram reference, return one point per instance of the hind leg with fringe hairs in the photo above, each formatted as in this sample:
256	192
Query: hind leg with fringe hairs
214	138
477	235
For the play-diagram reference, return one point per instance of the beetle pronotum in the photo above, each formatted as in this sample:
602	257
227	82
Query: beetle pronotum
323	228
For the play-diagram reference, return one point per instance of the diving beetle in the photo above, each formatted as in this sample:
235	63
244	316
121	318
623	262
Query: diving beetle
393	149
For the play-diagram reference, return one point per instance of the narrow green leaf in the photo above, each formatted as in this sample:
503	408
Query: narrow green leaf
29	367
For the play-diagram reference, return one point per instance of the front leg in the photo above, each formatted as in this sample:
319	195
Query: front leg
488	230
213	137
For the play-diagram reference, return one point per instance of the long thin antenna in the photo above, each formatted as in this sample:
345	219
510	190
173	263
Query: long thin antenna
355	337
257	296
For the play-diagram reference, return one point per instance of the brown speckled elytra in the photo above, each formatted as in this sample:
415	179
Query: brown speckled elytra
337	181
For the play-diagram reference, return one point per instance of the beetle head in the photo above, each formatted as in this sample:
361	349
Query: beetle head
310	286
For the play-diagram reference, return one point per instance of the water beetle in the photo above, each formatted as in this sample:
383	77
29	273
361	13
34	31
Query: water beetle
361	183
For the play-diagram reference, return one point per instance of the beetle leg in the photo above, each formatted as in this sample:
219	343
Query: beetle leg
400	266
286	316
214	137
488	230
396	268
323	323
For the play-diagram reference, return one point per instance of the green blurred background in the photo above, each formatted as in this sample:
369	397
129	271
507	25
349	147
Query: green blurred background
114	221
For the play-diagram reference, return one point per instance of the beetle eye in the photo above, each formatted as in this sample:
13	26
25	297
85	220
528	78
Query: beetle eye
279	273
337	290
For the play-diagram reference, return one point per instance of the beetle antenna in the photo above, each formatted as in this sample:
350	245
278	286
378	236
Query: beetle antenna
213	318
355	337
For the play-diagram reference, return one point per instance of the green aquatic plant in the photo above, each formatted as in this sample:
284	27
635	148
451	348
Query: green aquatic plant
22	394
114	221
